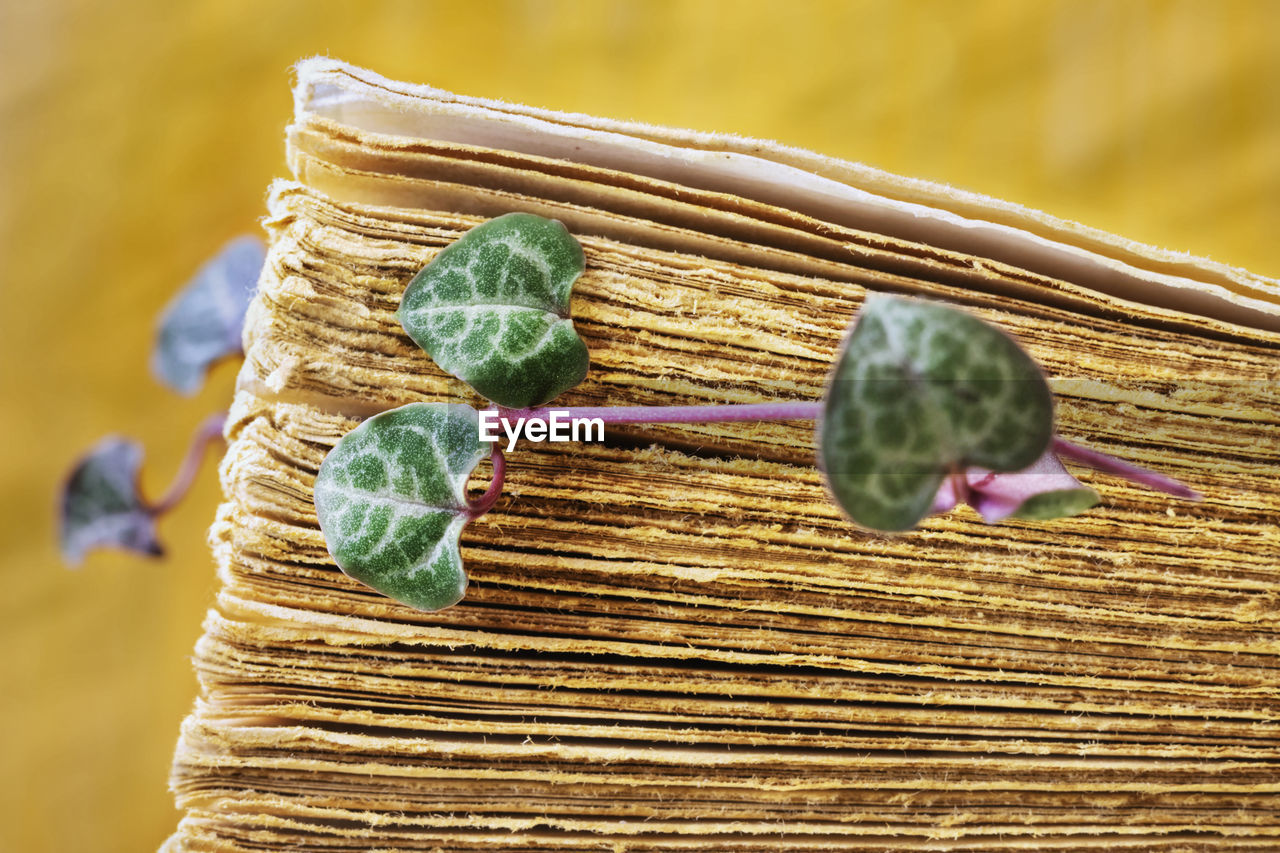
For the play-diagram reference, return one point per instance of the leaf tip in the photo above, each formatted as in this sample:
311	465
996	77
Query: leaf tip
391	501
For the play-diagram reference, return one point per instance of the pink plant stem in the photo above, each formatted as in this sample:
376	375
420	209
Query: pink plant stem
485	502
799	410
1120	468
792	411
208	432
812	410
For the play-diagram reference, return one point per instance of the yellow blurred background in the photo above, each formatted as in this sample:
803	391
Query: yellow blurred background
136	137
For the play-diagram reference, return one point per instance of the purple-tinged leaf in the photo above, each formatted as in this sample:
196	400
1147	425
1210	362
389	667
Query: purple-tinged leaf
202	324
1042	490
101	506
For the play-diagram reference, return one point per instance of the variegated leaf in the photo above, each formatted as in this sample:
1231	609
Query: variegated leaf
920	391
493	309
1043	490
101	506
202	324
391	499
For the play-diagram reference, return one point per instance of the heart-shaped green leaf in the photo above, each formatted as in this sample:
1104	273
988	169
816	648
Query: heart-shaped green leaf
922	390
391	499
493	310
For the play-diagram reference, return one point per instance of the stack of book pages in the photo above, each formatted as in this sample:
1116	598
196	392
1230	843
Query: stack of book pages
673	639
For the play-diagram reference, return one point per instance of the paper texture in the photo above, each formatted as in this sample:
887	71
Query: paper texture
673	640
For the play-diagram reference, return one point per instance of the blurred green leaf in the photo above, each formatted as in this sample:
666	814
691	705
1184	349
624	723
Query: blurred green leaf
922	390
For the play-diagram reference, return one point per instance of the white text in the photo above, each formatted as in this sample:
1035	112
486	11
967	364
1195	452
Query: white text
554	426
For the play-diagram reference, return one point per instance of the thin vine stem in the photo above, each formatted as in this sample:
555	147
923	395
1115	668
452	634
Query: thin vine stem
810	410
797	410
208	432
485	502
1127	470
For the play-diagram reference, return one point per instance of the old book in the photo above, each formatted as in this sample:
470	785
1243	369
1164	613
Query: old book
673	640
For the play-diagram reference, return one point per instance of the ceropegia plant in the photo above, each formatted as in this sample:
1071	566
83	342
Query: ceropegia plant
102	504
392	499
493	310
927	407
